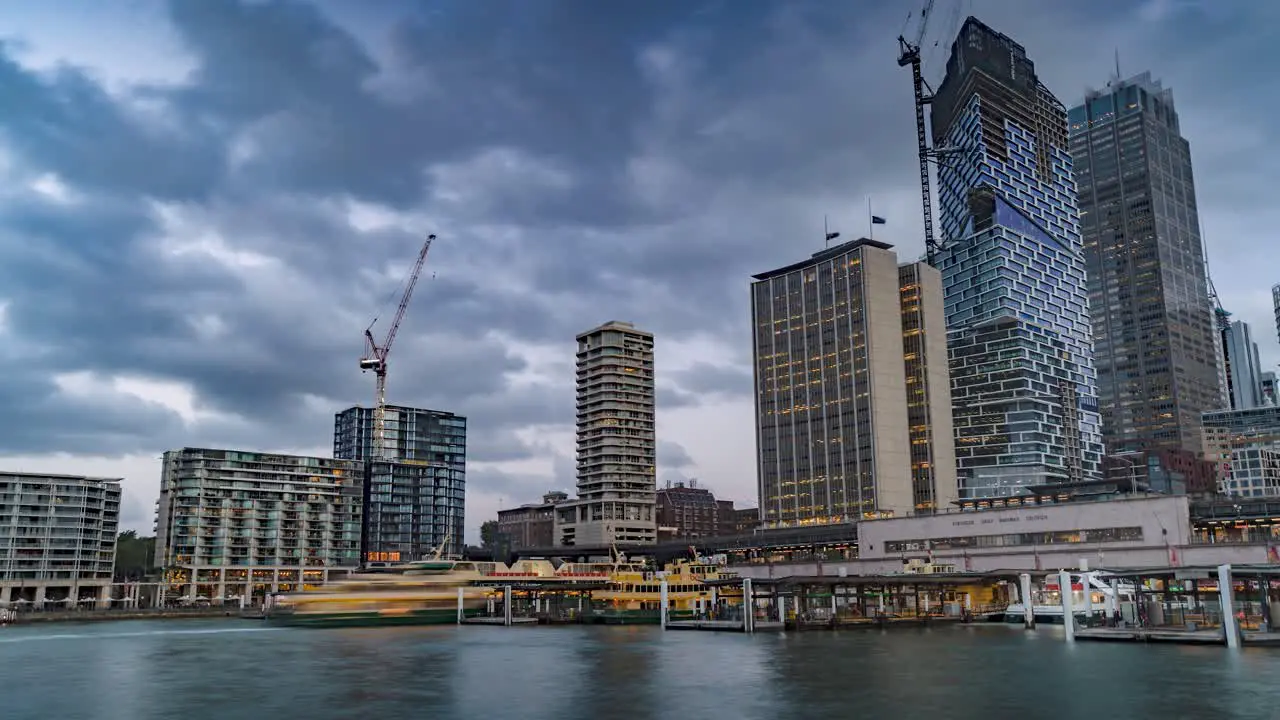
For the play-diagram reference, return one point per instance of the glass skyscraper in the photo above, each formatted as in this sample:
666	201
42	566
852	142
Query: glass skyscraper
1153	324
1023	385
415	500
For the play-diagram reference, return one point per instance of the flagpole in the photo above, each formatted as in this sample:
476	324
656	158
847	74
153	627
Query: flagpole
871	225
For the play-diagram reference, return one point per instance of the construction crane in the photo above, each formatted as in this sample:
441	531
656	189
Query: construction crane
375	355
909	54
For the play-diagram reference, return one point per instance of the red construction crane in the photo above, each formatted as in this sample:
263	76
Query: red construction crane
375	355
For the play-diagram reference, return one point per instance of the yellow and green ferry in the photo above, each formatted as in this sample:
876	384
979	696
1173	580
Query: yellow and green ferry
418	593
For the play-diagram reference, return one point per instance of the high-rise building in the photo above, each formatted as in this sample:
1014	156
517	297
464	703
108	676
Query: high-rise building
924	347
57	539
837	339
1267	383
616	442
1022	380
1149	301
414	501
414	434
1244	369
1275	301
233	523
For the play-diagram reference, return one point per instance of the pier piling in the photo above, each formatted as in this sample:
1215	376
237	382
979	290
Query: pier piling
1227	598
506	604
662	603
1068	613
460	613
1028	602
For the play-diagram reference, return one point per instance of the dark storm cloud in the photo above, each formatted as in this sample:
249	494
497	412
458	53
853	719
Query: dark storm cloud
673	455
580	162
705	378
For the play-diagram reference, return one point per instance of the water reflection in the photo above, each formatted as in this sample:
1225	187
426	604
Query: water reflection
203	670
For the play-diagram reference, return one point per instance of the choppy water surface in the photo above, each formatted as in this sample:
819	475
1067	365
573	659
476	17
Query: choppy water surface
198	670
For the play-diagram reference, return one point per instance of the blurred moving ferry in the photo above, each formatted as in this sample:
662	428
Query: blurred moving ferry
426	592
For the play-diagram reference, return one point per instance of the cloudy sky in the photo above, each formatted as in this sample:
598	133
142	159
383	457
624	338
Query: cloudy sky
203	204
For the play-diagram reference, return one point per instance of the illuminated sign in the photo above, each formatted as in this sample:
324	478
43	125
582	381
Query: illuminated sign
382	557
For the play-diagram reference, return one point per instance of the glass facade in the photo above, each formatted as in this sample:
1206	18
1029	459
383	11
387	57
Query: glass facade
227	508
1153	323
1020	342
1243	368
411	508
416	502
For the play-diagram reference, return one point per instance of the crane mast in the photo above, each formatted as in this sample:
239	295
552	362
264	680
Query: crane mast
375	355
909	54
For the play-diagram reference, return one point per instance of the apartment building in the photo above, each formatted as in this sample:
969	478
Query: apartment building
234	523
57	539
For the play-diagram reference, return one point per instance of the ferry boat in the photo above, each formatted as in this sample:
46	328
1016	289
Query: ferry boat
416	593
1047	602
634	592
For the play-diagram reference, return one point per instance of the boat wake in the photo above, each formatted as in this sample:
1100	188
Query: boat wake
148	633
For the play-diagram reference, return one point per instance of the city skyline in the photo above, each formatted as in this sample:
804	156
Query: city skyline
221	301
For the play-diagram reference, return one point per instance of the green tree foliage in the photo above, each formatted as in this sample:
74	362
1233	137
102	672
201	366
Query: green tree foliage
134	556
489	534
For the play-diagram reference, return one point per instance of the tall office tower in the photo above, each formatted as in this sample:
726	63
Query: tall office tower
416	501
1022	379
1244	369
1275	301
617	485
1153	323
834	430
924	346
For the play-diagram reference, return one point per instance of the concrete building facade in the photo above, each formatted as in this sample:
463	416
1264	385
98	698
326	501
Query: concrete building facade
1023	384
1245	445
924	348
1153	322
835	338
616	442
532	525
233	523
689	512
57	539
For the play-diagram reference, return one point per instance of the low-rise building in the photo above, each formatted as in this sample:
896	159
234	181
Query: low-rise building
234	523
1166	470
531	525
57	539
1245	446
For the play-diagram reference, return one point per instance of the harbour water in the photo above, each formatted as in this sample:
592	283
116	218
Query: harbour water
202	669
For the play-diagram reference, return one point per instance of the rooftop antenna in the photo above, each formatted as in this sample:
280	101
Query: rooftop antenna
827	232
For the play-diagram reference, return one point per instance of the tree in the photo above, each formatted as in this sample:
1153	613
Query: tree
134	556
489	535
